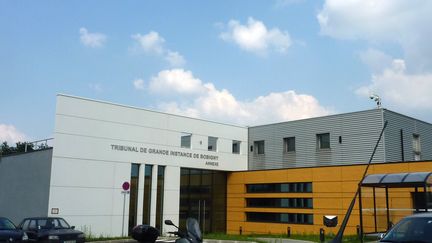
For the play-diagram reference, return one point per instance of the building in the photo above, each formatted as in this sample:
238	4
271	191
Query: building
296	200
342	139
98	146
180	167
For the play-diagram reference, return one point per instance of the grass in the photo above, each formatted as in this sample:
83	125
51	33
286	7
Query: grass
103	238
254	238
307	237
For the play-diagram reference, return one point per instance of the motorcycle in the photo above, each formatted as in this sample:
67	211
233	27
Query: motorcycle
192	234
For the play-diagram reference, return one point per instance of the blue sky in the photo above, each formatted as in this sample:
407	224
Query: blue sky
240	62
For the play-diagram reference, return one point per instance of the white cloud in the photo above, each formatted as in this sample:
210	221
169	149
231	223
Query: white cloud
138	84
11	135
176	81
92	39
153	43
256	38
401	89
401	22
206	101
175	59
375	59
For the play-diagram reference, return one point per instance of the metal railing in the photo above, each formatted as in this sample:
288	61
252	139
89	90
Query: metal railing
39	144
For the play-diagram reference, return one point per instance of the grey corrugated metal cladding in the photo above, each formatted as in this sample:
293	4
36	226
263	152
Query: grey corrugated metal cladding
352	137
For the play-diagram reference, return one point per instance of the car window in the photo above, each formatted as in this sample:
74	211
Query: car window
25	225
411	229
62	224
46	223
32	225
6	224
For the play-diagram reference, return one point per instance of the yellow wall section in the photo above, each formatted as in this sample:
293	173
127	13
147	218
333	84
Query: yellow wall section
332	191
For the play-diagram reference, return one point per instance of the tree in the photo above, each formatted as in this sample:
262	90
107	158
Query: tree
20	147
5	149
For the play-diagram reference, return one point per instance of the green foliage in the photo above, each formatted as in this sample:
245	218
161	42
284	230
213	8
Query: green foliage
20	147
261	238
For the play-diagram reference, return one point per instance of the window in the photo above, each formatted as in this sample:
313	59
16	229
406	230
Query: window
160	196
236	147
259	147
147	193
291	218
133	196
212	144
279	202
289	144
323	141
416	147
294	187
185	141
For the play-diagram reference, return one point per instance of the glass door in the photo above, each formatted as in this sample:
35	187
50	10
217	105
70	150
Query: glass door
203	197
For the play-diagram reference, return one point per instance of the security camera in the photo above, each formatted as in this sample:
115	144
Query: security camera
377	99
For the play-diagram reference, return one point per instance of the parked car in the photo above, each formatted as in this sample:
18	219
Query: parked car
10	233
50	229
414	228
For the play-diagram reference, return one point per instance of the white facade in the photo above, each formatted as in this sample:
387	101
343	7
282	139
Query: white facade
95	144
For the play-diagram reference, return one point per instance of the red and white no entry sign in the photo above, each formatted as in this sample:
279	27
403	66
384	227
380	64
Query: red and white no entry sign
126	186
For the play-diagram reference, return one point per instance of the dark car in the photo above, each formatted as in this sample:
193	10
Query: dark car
414	228
9	233
49	229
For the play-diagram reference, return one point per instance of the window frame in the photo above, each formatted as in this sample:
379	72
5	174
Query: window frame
210	146
286	144
186	135
238	143
257	146
321	143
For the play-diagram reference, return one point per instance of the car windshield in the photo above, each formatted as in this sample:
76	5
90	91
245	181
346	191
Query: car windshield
6	224
411	230
52	223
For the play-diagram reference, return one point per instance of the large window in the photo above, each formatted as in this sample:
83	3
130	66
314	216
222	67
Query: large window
259	147
212	143
296	187
185	141
133	200
279	202
160	197
323	141
289	218
147	194
289	144
236	147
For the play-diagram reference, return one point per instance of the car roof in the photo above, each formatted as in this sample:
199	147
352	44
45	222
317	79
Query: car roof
37	218
421	215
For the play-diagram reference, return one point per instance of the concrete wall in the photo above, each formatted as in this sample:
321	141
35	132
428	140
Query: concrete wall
24	184
90	163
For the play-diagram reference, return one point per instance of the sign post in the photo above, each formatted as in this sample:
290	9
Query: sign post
125	191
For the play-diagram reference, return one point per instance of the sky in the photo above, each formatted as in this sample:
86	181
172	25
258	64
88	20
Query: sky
237	62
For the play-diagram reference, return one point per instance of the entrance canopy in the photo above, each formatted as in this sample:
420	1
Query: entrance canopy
399	180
